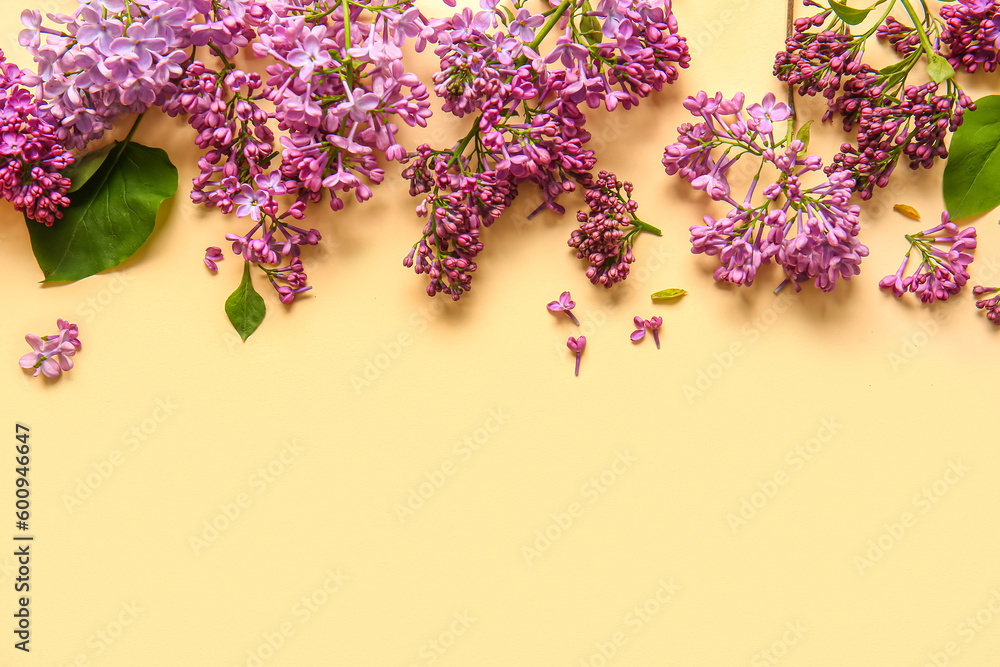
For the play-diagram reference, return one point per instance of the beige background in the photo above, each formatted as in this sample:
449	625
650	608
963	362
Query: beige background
823	419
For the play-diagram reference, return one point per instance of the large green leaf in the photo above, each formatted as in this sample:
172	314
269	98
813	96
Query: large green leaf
245	307
86	166
972	174
109	217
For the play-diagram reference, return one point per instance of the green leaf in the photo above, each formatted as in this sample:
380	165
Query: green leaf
245	307
668	294
851	15
972	173
803	135
109	218
939	69
84	167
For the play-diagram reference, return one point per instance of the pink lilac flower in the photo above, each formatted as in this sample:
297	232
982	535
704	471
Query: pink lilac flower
763	116
642	326
812	232
943	269
577	345
50	355
565	304
213	254
640	329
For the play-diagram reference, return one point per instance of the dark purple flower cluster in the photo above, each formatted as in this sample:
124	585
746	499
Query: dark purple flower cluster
972	34
991	305
916	127
31	156
531	117
607	230
890	117
943	271
457	207
811	232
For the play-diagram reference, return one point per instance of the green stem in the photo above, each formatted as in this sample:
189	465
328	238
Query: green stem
645	226
547	28
347	25
918	24
457	153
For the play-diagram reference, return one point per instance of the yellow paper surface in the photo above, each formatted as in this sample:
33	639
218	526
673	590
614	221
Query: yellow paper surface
377	478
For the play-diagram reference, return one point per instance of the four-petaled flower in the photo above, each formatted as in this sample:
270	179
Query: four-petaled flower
565	304
764	115
249	202
524	24
50	355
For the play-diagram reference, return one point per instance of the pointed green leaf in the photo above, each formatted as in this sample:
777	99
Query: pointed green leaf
109	218
803	135
939	69
86	166
245	307
852	15
667	294
972	172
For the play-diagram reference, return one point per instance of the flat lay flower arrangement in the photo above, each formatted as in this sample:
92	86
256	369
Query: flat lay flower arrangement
321	124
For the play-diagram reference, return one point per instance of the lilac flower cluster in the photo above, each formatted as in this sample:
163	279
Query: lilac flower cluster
891	118
811	232
108	59
31	157
607	231
531	119
943	270
334	83
50	355
972	34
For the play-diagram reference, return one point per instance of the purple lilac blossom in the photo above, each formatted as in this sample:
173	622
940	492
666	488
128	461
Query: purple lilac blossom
943	268
811	232
50	355
530	114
